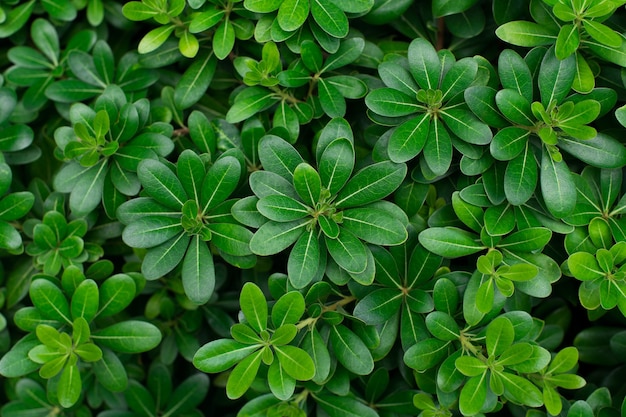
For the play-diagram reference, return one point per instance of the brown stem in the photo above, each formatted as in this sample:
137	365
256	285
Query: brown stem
441	30
180	132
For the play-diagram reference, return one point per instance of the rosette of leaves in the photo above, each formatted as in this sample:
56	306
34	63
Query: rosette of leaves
91	73
405	289
13	206
575	28
184	208
600	207
70	335
255	341
222	21
327	19
603	276
327	210
36	67
423	97
478	367
297	103
538	131
514	239
159	397
103	148
57	244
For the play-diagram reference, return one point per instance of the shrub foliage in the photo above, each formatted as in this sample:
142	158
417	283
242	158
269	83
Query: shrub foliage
331	208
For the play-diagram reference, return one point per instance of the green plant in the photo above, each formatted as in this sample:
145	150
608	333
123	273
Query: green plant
271	208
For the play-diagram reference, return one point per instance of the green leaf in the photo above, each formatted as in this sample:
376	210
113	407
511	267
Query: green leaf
195	81
424	63
110	372
307	183
204	20
557	186
438	149
602	33
50	301
515	74
16	363
449	7
522	33
567	41
281	208
426	354
500	335
371	183
520	177
350	350
16	18
348	251
45	37
473	395
330	18
564	361
499	220
254	306
274	237
87	191
224	39
160	183
584	266
9	237
296	362
304	259
347	406
70	386
139	398
130	336
466	126
155	38
509	143
163	258
556	77
288	309
442	326
220	182
219	355
602	151
151	231
449	242
374	226
198	273
280	382
331	100
349	50
336	163
188	395
514	107
378	306
391	103
292	14
255	99
279	157
85	300
408	139
527	240
470	366
521	390
243	375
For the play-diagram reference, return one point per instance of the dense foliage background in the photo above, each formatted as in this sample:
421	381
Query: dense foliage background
312	208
